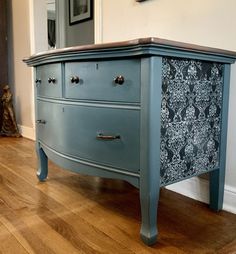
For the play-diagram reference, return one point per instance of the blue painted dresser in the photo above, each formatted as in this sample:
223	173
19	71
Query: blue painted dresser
148	111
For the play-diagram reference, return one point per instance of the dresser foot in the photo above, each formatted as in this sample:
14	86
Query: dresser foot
42	172
148	238
217	178
149	204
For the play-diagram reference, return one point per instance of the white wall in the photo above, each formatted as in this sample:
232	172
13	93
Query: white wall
18	48
203	22
38	25
24	40
208	23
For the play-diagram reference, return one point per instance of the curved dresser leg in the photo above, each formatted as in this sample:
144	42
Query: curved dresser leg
149	203
42	172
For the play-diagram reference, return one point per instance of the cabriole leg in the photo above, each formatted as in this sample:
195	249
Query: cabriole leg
42	163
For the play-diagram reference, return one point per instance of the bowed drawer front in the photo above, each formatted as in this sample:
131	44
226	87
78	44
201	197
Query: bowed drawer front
148	111
117	80
49	80
92	133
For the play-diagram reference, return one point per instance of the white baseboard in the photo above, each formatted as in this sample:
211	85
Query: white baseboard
198	189
27	132
230	199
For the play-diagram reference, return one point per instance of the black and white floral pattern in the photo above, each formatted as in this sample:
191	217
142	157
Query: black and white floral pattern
190	117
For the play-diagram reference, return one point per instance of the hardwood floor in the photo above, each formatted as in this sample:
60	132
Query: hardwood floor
71	213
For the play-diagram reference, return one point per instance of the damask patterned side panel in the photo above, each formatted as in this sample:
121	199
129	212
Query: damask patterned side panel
190	117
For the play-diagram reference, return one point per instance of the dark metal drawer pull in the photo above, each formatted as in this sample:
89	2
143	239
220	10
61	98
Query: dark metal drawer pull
75	79
119	80
52	80
100	136
41	122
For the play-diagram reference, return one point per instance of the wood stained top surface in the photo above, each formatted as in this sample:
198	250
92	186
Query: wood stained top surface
141	42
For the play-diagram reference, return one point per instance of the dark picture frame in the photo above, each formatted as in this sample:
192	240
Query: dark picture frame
80	10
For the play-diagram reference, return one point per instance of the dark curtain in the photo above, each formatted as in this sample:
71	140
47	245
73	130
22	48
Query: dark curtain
51	33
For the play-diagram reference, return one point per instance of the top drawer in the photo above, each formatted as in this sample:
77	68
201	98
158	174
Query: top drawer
49	80
102	80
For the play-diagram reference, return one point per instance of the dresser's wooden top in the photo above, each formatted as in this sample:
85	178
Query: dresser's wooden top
141	44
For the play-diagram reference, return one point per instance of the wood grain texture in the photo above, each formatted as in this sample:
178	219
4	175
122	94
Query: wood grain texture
136	42
71	213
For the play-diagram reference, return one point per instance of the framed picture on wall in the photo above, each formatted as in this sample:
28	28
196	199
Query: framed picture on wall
80	10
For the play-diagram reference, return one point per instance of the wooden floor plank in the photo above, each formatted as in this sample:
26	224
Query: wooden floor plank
51	237
27	200
71	213
229	248
8	243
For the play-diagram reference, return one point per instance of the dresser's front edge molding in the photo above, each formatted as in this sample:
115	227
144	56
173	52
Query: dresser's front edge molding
198	189
127	52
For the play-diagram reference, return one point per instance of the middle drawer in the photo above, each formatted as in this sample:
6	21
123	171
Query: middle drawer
107	136
117	80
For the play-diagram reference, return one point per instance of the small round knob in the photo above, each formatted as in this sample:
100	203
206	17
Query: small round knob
75	79
52	80
37	80
41	121
119	80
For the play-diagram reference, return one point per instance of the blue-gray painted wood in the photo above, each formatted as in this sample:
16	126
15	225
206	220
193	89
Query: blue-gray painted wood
150	146
89	103
74	129
71	116
44	86
89	168
124	53
42	172
217	177
97	80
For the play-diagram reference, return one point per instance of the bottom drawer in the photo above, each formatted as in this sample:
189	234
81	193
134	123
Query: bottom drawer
107	136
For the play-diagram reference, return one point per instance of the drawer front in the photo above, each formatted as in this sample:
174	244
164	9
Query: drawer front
49	80
97	80
88	132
